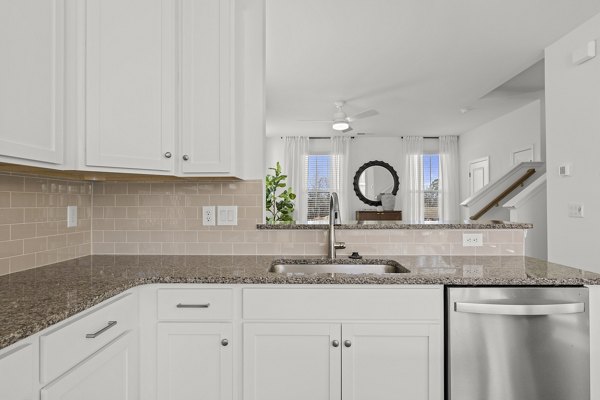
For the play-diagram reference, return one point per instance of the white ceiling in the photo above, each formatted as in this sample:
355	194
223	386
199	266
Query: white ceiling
417	62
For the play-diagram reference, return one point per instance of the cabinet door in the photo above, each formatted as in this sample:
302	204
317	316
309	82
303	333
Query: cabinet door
194	362
111	373
32	79
17	374
206	86
392	361
292	362
130	83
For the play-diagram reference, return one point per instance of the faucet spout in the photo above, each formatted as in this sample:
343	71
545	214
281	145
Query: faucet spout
334	217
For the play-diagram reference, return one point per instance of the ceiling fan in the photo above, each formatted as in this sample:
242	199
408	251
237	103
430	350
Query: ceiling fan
341	121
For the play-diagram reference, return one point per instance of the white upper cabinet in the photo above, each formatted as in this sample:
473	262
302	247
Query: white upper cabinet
32	47
206	86
136	108
129	84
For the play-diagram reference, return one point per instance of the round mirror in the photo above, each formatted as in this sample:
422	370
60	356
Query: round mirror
373	178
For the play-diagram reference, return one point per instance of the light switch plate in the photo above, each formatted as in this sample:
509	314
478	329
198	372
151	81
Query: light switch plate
472	239
576	210
227	215
71	216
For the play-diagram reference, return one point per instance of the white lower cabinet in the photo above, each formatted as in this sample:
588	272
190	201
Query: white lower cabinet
111	373
291	361
17	375
391	361
195	361
342	361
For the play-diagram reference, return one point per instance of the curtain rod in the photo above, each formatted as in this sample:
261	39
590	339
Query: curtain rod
425	137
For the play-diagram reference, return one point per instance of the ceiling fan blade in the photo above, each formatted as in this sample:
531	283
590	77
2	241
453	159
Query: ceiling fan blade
347	130
314	120
364	114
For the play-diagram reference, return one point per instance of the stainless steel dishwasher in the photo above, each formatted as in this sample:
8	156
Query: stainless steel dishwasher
510	343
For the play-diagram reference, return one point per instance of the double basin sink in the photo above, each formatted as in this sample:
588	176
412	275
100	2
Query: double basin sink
336	266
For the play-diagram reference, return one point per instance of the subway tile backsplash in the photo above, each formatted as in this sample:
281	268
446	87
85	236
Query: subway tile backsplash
33	221
165	218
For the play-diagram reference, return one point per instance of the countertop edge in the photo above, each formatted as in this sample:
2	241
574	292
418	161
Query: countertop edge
482	226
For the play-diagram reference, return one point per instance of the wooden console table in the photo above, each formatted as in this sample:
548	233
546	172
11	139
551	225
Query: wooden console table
363	215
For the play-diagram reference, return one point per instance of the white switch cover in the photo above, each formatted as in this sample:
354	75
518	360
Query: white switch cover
227	215
576	210
208	215
472	239
71	216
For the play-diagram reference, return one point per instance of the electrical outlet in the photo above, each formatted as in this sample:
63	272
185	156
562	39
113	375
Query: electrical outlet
473	271
71	216
472	239
576	210
227	215
208	215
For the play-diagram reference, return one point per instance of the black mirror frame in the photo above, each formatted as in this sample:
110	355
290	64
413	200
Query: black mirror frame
362	169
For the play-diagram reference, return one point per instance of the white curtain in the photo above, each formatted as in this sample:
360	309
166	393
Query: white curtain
449	211
294	166
340	151
411	183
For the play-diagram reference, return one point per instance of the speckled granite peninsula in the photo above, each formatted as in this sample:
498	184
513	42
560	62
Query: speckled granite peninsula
32	300
398	225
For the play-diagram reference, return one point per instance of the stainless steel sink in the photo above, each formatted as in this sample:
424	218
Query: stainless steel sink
337	266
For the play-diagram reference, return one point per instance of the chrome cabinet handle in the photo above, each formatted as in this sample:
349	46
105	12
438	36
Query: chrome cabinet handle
224	342
193	305
168	154
185	157
519	309
347	343
101	331
335	343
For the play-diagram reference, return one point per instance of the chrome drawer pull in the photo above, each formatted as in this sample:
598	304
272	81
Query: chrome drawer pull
193	305
101	331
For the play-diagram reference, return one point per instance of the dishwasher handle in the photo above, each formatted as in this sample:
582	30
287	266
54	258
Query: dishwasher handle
519	309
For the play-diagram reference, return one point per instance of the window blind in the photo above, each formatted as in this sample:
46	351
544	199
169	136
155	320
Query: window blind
431	180
320	178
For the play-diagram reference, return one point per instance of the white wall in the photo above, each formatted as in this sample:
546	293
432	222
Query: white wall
573	136
498	139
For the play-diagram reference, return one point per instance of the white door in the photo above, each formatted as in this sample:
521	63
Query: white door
207	72
195	361
392	361
292	361
479	174
522	155
17	373
130	82
111	373
32	37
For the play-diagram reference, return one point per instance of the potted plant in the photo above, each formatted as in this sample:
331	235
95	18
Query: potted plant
279	200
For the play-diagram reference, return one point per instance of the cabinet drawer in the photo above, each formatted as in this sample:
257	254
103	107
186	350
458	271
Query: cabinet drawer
416	304
195	304
69	344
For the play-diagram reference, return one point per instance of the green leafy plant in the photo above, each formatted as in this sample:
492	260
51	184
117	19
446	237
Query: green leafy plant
279	206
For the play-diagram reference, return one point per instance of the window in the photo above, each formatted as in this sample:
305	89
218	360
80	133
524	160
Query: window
320	172
431	185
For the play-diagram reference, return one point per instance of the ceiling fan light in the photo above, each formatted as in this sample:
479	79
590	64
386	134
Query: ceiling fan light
340	125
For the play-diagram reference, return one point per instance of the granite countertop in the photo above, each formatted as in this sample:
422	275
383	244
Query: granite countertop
400	225
33	300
